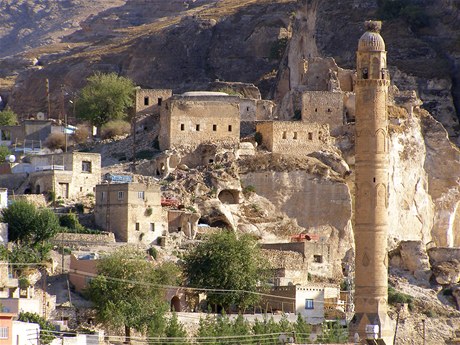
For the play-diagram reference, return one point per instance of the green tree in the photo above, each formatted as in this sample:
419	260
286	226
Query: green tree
175	329
46	328
4	152
105	97
28	225
224	261
126	294
8	118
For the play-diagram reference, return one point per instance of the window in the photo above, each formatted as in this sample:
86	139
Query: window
152	226
197	127
182	127
229	128
103	196
295	135
284	135
4	333
316	110
121	195
146	101
138	226
214	128
329	110
310	136
318	259
160	100
140	195
309	304
86	166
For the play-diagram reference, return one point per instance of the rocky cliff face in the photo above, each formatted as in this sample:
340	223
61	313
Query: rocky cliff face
185	45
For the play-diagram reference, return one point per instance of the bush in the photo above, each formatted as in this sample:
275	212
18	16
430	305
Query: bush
55	141
4	152
115	128
70	220
8	117
249	190
278	48
81	135
80	208
46	328
395	297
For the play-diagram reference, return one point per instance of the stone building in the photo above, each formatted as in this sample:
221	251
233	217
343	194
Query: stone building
183	221
149	101
194	118
82	267
307	300
294	137
132	211
323	107
69	175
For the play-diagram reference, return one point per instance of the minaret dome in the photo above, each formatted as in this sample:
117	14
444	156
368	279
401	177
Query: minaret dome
371	39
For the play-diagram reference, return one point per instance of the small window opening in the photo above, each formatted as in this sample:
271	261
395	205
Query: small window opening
310	136
365	73
121	195
374	179
160	100
182	127
146	101
318	259
247	108
328	110
295	135
152	226
138	227
197	128
229	128
316	110
214	128
284	135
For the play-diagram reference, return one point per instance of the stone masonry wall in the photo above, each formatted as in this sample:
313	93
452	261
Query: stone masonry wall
294	137
188	123
323	107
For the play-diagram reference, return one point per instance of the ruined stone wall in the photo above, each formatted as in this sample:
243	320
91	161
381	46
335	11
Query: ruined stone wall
188	123
323	107
73	240
294	137
38	200
149	101
265	109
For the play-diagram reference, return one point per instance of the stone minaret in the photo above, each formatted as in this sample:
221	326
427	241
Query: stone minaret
371	169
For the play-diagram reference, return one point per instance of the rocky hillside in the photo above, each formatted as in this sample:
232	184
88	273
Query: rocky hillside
185	45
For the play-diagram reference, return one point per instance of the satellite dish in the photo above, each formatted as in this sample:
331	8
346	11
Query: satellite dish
11	158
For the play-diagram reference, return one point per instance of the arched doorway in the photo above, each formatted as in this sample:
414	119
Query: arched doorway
175	304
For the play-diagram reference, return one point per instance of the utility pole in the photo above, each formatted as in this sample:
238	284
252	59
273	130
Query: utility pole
48	97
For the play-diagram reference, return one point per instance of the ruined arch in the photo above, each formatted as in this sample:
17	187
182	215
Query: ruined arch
175	304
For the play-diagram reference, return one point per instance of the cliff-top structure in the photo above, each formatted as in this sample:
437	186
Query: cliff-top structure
371	210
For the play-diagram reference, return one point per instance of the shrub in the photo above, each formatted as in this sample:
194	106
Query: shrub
395	297
249	189
80	208
46	328
115	128
81	135
55	141
278	48
8	117
69	220
4	152
148	211
153	252
23	283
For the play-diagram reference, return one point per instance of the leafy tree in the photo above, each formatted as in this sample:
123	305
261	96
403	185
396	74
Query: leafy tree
106	97
8	117
224	261
4	152
126	293
175	329
46	328
28	225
